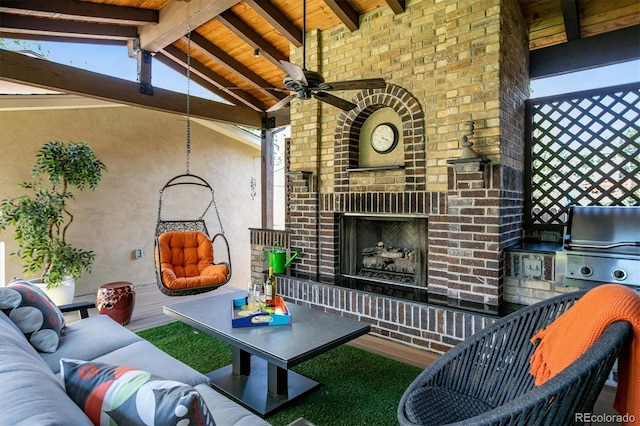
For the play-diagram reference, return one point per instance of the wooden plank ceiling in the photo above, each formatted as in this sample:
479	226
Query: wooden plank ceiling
226	33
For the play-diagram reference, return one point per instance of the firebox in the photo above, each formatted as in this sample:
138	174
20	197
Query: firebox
384	249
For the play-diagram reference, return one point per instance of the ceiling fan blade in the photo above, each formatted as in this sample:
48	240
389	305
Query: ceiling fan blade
335	101
248	89
295	72
280	104
371	83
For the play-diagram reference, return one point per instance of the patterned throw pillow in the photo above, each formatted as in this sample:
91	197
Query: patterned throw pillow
111	394
34	313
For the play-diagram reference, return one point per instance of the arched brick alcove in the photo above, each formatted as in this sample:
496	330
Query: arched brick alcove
350	123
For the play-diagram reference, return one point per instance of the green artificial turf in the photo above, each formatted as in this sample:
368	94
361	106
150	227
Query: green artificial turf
357	387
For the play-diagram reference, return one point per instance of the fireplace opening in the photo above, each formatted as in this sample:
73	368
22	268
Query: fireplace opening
384	249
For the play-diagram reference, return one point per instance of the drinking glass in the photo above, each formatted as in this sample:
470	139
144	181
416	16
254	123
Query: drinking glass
260	295
250	300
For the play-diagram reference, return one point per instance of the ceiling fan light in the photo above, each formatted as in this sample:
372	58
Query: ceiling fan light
303	94
292	84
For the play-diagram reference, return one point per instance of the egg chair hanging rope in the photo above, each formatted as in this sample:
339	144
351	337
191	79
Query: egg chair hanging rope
175	239
188	99
188	179
196	179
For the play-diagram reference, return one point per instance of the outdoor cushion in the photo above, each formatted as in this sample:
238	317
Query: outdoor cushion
187	260
226	411
10	334
34	313
146	356
88	339
111	394
30	394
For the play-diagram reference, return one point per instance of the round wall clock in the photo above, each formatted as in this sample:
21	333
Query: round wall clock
384	138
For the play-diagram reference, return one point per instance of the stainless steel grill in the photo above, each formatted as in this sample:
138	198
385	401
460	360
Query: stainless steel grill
602	245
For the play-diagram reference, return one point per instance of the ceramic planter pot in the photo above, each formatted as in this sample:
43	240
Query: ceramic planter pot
61	295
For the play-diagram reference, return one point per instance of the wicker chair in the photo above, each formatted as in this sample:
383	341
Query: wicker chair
485	380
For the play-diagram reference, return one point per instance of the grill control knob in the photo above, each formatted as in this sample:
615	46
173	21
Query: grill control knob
586	271
619	274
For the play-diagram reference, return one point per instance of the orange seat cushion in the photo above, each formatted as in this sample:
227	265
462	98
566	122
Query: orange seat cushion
187	260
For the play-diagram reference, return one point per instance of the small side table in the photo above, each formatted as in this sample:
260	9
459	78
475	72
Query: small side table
117	300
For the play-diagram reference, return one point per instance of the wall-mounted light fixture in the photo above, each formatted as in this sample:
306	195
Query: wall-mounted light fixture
256	52
465	144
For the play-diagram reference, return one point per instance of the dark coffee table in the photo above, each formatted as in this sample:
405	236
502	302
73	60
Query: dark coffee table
259	376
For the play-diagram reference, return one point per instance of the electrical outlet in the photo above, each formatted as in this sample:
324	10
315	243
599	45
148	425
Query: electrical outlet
533	268
139	253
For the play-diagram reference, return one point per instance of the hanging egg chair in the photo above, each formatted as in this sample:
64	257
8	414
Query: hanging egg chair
185	259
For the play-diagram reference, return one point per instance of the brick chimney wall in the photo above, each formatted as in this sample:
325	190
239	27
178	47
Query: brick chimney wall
444	63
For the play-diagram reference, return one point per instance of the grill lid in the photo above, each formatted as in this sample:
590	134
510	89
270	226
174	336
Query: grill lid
615	229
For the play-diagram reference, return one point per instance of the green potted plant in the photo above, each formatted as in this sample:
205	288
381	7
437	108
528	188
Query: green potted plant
41	217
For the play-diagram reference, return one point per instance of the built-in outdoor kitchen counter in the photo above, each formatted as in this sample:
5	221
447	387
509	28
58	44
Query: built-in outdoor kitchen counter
534	271
601	244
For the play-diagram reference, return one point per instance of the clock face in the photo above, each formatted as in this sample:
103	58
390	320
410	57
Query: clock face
384	138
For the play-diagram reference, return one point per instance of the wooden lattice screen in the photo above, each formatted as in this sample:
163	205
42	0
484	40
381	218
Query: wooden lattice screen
583	149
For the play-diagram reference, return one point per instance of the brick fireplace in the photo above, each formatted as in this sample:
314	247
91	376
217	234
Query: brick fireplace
461	290
465	224
445	63
384	250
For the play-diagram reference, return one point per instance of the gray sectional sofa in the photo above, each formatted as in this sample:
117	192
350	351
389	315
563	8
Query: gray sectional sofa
31	390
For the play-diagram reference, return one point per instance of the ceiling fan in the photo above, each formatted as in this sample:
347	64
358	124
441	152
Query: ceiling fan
308	84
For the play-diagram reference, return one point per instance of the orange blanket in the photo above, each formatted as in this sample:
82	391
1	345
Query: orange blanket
573	332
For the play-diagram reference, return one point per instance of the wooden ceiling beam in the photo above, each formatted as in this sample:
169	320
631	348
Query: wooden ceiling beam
176	65
60	39
19	68
231	64
586	53
570	15
177	60
252	38
29	25
177	19
349	17
397	6
277	20
81	11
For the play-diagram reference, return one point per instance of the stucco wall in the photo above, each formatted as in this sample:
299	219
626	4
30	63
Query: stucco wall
142	150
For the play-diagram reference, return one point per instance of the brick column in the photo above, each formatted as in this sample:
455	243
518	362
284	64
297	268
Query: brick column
303	223
305	163
470	234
